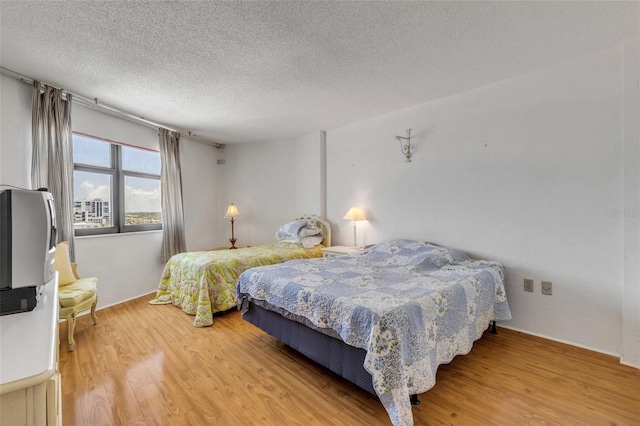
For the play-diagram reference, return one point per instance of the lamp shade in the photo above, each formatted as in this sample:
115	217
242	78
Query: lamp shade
354	214
232	211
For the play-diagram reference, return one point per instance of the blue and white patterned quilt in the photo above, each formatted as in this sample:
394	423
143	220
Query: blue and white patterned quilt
411	305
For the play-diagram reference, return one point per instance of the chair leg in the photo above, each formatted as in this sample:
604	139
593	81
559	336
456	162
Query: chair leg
93	312
71	325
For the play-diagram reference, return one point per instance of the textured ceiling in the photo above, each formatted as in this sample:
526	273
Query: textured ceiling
256	71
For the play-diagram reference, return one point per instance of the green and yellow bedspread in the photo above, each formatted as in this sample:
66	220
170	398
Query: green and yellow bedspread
204	282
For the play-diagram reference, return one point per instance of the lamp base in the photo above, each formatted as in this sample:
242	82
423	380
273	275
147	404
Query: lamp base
233	237
355	244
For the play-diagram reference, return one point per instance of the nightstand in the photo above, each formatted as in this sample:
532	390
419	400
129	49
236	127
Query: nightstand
339	251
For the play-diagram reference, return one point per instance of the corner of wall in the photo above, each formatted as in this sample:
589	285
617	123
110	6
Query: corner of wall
630	345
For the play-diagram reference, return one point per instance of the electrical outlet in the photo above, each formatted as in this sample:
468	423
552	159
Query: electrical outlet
546	287
528	284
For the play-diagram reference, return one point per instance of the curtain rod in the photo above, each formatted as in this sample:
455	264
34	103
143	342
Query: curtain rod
93	103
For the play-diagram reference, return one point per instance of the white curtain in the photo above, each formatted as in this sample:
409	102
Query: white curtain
173	239
52	154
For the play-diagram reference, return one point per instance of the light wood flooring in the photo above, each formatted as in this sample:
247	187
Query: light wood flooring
148	365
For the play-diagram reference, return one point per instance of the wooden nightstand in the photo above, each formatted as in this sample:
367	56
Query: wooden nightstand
339	251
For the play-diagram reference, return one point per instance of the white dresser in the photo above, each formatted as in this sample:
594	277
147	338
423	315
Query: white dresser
29	377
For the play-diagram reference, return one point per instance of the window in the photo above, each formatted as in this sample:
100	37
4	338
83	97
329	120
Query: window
116	187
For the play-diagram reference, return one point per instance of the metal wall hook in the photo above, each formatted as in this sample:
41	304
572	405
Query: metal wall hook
405	145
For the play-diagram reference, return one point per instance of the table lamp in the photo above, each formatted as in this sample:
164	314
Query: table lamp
232	212
354	214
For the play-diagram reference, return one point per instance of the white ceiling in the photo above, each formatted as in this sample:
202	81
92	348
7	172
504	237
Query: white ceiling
256	71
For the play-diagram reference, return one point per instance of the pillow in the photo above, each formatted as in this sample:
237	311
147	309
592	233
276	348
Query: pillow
63	264
289	231
310	229
311	241
290	241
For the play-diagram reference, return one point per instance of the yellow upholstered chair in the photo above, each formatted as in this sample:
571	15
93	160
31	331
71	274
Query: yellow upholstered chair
76	294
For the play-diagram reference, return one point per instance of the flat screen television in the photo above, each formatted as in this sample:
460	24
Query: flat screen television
28	238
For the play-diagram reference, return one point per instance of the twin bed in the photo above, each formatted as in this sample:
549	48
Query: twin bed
384	318
203	283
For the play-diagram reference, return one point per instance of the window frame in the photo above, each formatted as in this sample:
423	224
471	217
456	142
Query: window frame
118	174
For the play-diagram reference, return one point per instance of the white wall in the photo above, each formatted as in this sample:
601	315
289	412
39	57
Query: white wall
201	183
271	183
308	159
525	171
15	132
127	265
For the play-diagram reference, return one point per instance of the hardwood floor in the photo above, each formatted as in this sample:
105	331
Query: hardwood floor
148	365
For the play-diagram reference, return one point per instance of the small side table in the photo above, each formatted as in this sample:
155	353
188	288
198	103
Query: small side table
339	251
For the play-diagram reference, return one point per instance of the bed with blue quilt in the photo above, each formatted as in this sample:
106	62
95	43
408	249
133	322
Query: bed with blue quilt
384	318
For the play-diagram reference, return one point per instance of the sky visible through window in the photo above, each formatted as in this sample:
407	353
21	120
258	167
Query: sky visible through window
141	195
91	186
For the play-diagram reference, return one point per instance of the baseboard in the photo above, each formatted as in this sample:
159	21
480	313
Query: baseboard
113	304
628	364
126	300
589	348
